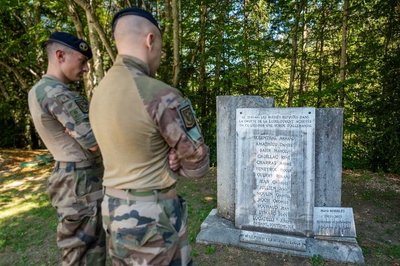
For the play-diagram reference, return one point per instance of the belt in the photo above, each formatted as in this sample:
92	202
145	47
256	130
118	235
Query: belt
152	195
81	164
93	196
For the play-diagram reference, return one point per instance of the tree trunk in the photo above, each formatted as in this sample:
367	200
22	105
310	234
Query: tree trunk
96	25
247	73
75	18
165	71
294	55
202	67
4	92
343	55
176	41
219	53
87	80
17	75
320	67
303	64
97	61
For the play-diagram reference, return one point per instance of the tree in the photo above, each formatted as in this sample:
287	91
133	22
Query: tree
343	55
175	19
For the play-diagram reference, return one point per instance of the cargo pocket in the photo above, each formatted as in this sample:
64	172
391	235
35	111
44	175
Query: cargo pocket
81	183
184	211
136	231
88	180
59	189
77	227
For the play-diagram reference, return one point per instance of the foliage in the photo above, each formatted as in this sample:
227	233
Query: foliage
288	50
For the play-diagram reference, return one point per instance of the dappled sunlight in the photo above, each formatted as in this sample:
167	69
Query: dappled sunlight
10	159
21	188
18	207
208	198
375	181
19	179
32	182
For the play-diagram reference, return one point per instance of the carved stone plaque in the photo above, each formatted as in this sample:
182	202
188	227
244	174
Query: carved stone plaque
275	169
330	221
280	241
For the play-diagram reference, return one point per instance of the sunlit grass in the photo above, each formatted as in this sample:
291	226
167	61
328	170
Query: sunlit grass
19	190
17	209
27	220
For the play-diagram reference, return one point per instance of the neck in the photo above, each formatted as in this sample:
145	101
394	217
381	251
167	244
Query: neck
52	71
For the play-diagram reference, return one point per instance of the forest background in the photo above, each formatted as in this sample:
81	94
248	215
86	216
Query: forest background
318	53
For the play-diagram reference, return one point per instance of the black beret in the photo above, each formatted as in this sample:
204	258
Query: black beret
135	11
70	41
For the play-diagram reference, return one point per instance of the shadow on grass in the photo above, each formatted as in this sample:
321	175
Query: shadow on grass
27	220
28	238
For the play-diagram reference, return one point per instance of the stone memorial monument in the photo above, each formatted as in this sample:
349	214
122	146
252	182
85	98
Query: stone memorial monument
279	181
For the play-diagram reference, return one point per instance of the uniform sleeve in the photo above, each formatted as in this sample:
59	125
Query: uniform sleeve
71	110
179	127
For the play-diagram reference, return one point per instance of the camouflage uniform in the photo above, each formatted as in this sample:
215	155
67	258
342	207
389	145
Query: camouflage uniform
144	218
75	185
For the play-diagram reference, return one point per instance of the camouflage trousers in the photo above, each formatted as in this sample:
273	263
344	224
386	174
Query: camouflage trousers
76	195
146	231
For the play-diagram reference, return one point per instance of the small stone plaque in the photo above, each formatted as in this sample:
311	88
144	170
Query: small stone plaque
330	221
279	241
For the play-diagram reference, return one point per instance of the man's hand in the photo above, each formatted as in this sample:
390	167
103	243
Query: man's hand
70	133
94	148
173	160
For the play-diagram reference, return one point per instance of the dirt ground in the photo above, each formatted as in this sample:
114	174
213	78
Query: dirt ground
375	199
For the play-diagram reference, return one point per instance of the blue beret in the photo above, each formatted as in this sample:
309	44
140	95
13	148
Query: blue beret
70	41
134	11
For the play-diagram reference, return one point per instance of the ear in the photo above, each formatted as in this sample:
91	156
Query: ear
150	40
60	55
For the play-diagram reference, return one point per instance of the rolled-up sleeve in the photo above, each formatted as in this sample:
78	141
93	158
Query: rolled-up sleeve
179	127
71	110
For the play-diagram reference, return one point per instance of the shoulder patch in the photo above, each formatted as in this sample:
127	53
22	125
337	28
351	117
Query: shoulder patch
187	116
62	98
82	104
74	104
189	122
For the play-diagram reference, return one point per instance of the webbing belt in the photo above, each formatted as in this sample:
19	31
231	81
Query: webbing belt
153	195
82	164
92	197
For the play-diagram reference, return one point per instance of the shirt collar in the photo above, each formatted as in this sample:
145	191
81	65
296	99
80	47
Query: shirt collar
132	61
47	76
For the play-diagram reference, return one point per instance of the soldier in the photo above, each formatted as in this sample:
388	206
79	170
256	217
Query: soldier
148	135
62	121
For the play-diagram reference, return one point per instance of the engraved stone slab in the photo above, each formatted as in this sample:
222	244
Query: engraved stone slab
226	147
275	171
330	221
280	241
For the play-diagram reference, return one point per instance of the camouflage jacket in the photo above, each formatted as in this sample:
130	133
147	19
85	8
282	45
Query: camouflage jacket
137	120
61	119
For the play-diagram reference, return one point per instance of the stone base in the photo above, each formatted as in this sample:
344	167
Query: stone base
217	230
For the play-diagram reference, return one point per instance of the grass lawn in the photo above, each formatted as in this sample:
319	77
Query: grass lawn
28	222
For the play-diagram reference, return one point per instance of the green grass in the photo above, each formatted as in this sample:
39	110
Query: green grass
28	222
201	197
385	250
317	260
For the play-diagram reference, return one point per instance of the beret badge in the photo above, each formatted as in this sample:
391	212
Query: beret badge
83	46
